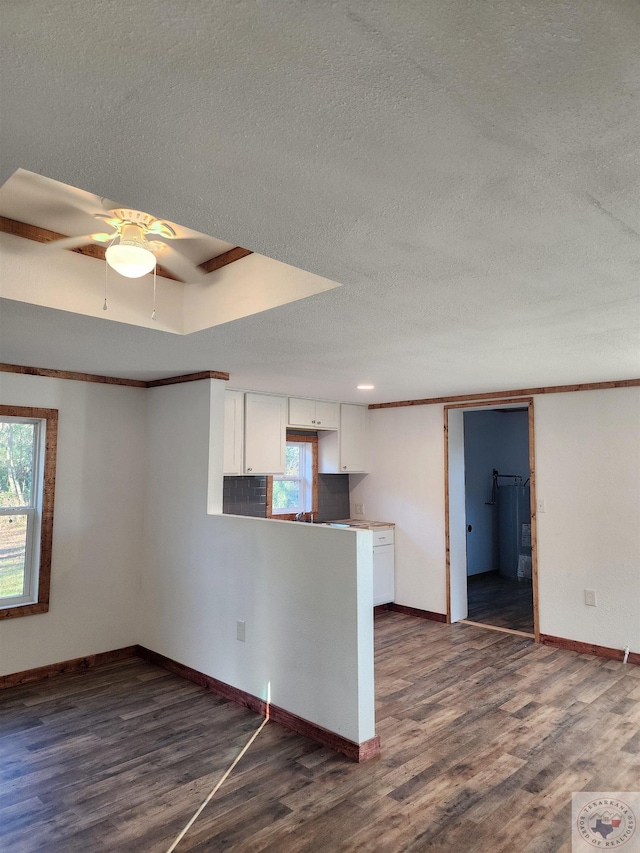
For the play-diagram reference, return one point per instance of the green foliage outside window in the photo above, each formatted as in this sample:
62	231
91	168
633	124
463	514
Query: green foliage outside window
287	493
16	463
16	481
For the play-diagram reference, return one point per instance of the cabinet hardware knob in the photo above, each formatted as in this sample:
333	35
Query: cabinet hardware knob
249	469
318	422
313	422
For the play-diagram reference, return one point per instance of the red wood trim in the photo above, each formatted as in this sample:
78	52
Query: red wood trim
356	751
29	232
75	665
491	403
111	380
29	412
549	389
268	510
588	648
68	374
46	521
368	749
533	507
475	624
188	377
225	259
415	611
380	608
447	528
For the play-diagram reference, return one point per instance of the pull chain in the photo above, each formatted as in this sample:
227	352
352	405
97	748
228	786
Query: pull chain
153	316
106	273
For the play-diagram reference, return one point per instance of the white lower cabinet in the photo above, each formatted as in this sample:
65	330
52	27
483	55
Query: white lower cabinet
265	433
383	566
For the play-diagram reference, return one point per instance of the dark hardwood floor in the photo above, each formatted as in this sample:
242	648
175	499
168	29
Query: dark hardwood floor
500	601
484	737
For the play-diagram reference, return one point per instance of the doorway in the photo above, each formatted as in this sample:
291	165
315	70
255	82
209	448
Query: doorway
490	523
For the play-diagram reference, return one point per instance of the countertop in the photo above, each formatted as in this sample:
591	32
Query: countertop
362	523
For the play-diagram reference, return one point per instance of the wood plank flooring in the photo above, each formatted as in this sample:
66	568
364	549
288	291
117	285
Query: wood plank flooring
500	601
484	737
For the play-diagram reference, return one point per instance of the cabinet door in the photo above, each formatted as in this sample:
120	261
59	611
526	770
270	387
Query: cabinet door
302	413
327	415
329	452
383	575
265	434
233	432
353	438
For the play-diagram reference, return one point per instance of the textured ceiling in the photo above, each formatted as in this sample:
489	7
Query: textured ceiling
470	173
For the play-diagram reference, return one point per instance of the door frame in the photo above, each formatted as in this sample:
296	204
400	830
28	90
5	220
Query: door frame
489	405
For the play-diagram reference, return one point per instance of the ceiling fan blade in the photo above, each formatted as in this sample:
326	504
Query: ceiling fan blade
77	242
180	266
184	245
57	197
108	218
161	229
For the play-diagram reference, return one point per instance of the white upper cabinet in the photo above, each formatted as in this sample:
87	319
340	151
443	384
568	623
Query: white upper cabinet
313	414
327	415
233	432
353	437
265	430
345	451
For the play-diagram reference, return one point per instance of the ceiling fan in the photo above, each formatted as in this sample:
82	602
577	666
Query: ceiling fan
132	246
132	242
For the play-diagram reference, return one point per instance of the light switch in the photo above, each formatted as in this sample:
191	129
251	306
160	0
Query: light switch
590	597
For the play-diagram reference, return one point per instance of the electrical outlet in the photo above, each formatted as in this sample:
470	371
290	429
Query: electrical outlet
359	509
590	597
540	505
240	631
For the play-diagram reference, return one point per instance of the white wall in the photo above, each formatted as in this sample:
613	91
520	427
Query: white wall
304	592
97	522
492	439
588	474
457	519
137	559
587	452
406	486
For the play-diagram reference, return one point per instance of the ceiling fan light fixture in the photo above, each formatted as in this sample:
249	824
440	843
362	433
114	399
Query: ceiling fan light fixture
130	258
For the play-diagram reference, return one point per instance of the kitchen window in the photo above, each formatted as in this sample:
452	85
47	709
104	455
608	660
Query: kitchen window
27	477
292	490
296	491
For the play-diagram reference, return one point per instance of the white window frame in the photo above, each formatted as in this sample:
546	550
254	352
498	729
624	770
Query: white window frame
33	513
305	480
39	512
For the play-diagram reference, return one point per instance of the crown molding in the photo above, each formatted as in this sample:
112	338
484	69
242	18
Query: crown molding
113	380
522	392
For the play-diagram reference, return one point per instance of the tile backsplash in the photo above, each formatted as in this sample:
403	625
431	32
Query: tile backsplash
248	496
245	496
333	496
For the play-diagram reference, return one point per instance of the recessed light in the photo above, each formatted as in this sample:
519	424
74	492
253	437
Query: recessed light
365	387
